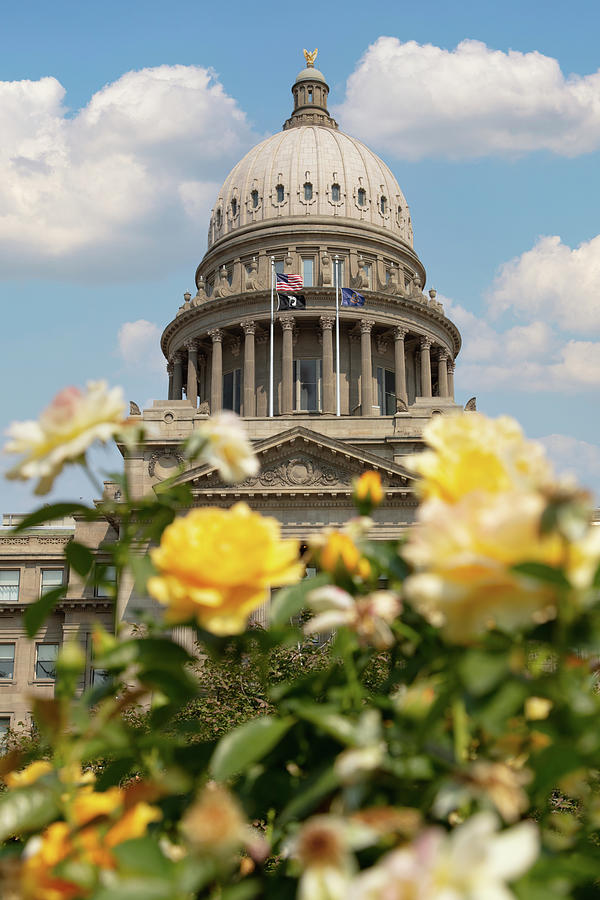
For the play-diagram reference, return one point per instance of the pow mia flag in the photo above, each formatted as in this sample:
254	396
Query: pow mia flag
290	301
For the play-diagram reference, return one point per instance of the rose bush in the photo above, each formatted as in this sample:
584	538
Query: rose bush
445	745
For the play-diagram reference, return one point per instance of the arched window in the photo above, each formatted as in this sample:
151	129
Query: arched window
383	205
310	95
234	207
307	190
335	193
280	193
218	218
254	198
362	197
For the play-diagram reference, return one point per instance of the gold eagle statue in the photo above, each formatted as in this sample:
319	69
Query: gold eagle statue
310	57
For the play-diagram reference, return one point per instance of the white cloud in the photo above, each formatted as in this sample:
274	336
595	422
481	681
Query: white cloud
123	185
417	100
555	281
139	345
574	457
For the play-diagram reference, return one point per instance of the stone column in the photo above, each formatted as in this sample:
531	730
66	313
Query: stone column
202	392
177	376
249	327
443	373
329	386
287	365
451	378
192	372
170	374
216	375
425	367
366	368
400	363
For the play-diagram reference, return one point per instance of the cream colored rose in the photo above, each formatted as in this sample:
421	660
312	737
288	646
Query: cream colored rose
64	431
463	555
470	452
227	447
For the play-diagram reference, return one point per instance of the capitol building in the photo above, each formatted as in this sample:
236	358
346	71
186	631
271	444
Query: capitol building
309	201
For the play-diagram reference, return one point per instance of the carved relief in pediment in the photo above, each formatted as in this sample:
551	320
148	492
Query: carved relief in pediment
299	471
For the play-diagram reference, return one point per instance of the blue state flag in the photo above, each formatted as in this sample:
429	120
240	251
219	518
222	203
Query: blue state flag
352	298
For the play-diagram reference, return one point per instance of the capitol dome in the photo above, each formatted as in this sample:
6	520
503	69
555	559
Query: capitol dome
311	171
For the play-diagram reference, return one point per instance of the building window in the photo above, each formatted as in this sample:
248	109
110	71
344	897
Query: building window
234	207
310	95
232	394
7	661
308	190
4	727
210	284
383	205
399	214
280	194
279	266
362	197
368	270
9	585
99	676
254	198
307	385
338	265
386	391
45	661
50	579
308	265
218	218
335	193
107	578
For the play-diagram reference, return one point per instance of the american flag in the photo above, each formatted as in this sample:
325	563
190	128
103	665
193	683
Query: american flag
290	283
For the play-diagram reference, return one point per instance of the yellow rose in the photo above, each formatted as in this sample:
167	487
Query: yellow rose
473	453
368	492
336	552
28	775
463	554
215	824
64	431
216	566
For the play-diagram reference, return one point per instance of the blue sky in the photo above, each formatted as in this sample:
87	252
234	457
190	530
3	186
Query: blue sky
120	120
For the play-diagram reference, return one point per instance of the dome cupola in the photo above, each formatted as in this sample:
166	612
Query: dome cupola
310	92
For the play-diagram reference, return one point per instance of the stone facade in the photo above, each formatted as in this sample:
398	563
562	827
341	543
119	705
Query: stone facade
309	201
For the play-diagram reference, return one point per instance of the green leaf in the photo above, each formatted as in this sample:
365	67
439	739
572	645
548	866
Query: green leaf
319	786
292	600
142	856
505	703
52	511
481	671
542	572
36	613
328	719
246	890
142	569
247	744
139	889
385	555
26	809
596	581
155	653
79	557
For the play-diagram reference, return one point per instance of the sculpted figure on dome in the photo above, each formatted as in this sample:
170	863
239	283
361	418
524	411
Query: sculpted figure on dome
200	294
252	281
392	285
326	269
416	289
186	303
361	280
310	57
222	287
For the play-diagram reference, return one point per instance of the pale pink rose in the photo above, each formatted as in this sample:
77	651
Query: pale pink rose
64	431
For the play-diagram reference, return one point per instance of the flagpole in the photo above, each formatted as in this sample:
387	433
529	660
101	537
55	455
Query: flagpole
337	336
271	342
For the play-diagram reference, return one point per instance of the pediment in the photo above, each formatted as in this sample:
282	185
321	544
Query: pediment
301	460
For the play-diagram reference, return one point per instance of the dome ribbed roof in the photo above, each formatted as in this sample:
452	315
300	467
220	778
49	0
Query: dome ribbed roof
310	165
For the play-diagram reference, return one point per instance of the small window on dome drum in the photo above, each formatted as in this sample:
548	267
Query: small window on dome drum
383	205
218	218
280	193
307	190
234	207
310	95
254	198
362	197
335	193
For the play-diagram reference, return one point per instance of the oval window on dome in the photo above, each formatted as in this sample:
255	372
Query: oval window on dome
254	199
279	192
234	207
362	197
383	205
308	191
335	193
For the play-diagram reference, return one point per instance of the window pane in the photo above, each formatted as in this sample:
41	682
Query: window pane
109	577
280	193
232	390
254	196
4	726
45	666
340	272
308	374
279	266
9	585
307	272
99	676
362	197
51	578
308	191
335	193
7	660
